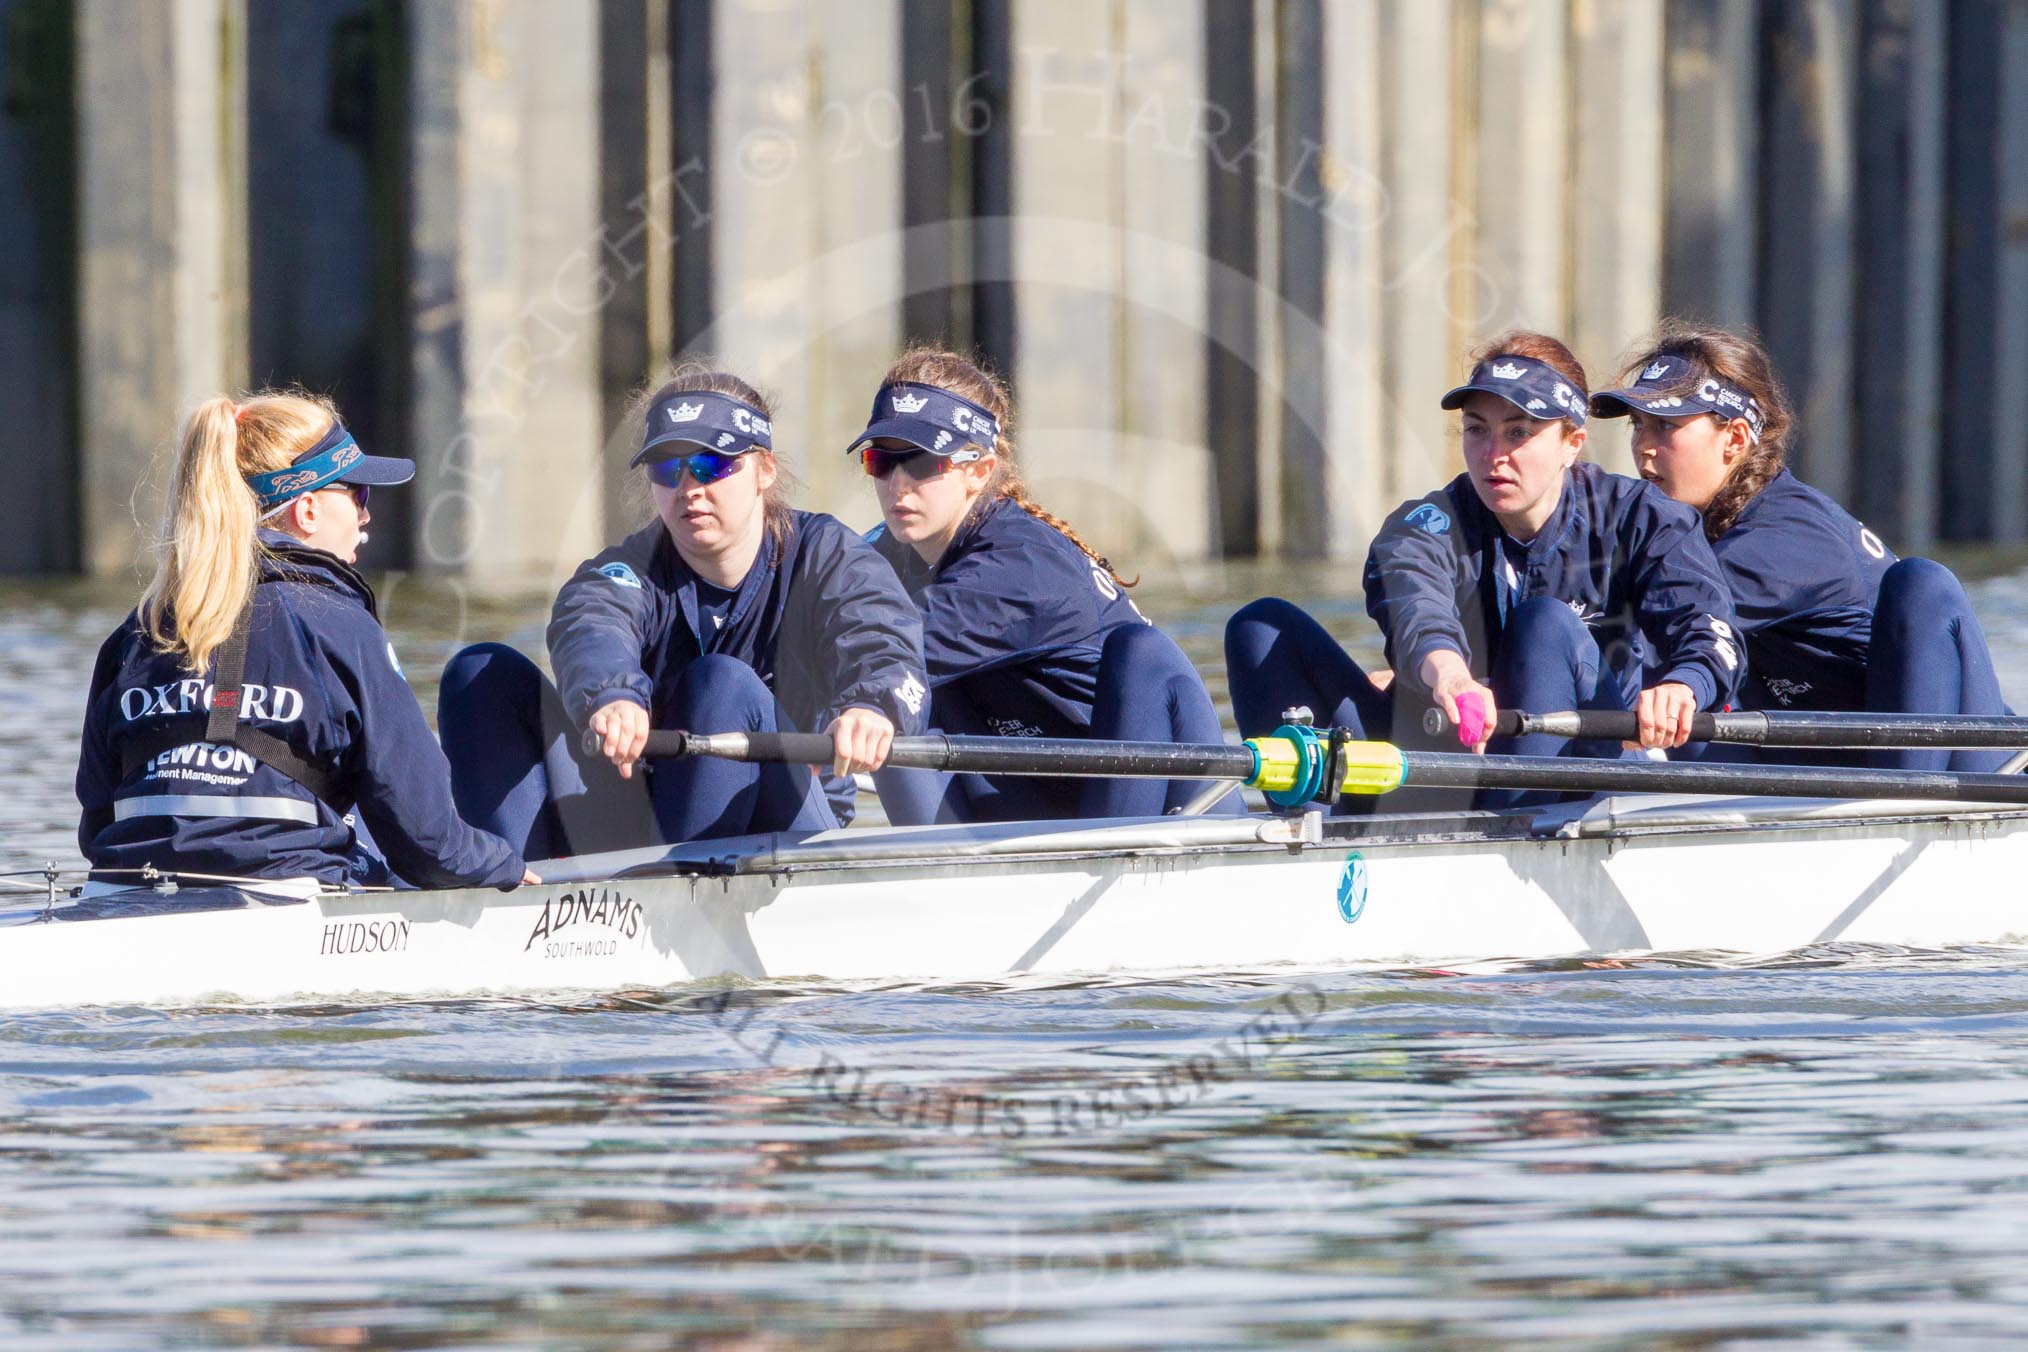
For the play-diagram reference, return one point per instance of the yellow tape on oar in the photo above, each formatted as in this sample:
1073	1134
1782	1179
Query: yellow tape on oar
1290	767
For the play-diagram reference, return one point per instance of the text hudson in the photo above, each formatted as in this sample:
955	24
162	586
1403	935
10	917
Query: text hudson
603	908
357	936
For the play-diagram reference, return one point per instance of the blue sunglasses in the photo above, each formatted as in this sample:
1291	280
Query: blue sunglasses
359	492
707	467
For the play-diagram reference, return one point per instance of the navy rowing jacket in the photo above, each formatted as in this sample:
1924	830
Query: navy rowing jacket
1630	561
1014	618
321	675
1805	574
820	619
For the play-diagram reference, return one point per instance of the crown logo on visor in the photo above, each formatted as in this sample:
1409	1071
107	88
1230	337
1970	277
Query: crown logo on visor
908	403
1656	372
686	413
1508	370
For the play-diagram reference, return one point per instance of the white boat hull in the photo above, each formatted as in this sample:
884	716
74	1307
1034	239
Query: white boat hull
960	903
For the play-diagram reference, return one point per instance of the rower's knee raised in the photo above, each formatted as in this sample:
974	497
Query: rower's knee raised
1916	595
485	677
1544	624
1141	665
717	693
1255	626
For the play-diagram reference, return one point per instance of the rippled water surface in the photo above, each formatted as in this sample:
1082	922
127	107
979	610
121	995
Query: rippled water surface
1827	1148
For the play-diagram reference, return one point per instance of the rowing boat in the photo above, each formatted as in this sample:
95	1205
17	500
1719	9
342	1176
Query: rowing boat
1630	873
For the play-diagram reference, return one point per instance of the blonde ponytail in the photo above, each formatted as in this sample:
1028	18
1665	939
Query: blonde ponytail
210	549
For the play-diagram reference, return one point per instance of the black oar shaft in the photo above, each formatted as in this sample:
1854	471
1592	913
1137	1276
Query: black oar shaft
1575	774
1770	728
1072	758
1425	769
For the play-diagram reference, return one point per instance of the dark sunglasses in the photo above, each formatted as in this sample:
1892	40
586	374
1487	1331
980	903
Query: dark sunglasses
707	467
360	492
920	464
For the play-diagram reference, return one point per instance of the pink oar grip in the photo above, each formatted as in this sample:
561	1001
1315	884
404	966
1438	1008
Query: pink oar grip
1471	720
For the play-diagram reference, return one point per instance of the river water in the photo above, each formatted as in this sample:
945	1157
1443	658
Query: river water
1827	1148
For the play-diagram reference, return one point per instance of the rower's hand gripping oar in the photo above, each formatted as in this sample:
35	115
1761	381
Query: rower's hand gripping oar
1300	764
1770	728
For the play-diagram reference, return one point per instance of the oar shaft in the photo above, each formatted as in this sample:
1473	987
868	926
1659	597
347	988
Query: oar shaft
1277	763
1575	774
1773	728
1071	758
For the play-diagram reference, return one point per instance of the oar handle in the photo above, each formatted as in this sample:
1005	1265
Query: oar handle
1583	724
1789	728
792	748
783	748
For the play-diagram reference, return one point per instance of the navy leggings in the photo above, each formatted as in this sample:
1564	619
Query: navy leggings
1277	657
1929	656
518	768
1147	691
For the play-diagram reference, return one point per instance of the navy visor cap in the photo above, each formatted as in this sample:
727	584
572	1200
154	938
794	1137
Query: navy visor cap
335	459
705	419
929	419
1669	387
1535	387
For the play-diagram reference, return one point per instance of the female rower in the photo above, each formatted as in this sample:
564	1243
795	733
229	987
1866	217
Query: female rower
1533	579
1831	619
730	612
1027	631
252	700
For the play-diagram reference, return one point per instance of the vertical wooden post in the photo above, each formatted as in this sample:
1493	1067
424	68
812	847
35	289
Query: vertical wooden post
1901	253
806	174
1616	227
1984	465
161	272
1231	246
1352	209
1807	238
1711	159
1522	140
1302	266
509	261
38	291
2009	524
1425	237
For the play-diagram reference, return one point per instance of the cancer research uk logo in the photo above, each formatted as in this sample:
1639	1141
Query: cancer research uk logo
1431	518
1352	888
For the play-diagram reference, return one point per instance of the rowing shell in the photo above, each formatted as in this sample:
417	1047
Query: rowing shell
1646	873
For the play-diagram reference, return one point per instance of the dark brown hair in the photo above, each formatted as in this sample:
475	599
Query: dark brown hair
1538	347
949	371
702	375
1740	361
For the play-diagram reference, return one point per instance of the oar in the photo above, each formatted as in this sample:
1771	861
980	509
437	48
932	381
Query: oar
1075	758
1768	728
1296	764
